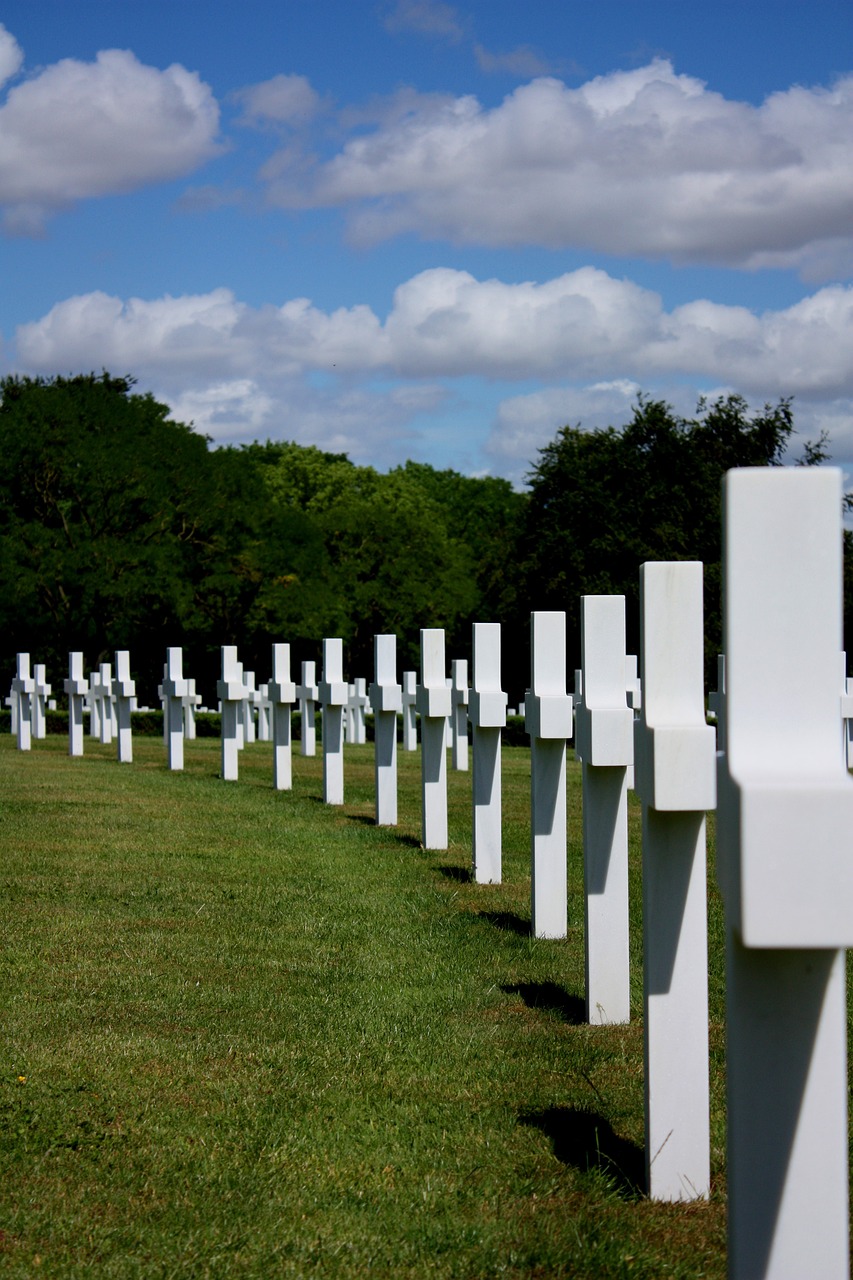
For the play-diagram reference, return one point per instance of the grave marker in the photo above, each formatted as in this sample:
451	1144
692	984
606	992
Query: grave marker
94	704
358	702
77	687
674	769
410	704
105	702
334	694
548	720
349	715
487	712
261	702
230	692
604	742
249	705
433	703
125	693
785	871
174	692
386	700
23	687
308	693
282	695
192	703
459	714
41	693
12	704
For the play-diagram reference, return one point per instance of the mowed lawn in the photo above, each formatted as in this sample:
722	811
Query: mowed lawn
246	1034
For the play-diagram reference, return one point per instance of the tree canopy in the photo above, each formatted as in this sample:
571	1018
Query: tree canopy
120	528
602	502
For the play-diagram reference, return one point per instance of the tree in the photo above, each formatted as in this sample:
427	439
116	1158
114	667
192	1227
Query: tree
95	508
120	529
603	501
392	564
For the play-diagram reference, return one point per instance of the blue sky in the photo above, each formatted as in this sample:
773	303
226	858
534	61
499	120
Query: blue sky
406	228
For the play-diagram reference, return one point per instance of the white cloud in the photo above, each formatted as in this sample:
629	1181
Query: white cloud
444	323
645	162
11	56
82	129
351	380
285	99
193	333
371	425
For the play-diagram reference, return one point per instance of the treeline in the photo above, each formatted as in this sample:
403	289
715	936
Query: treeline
122	529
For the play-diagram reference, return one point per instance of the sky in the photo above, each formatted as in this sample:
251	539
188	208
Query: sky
414	229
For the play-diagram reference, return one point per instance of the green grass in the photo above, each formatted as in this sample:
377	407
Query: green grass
248	1035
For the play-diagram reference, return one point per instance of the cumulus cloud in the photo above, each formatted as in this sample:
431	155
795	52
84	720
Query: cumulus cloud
642	162
82	129
444	323
11	56
352	380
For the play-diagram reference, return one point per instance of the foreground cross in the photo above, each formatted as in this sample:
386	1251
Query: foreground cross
786	874
604	742
548	720
674	767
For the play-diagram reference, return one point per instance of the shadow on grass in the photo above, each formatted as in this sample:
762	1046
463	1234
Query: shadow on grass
551	997
411	842
366	819
506	920
585	1140
461	875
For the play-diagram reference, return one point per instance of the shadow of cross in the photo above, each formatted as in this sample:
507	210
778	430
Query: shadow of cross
585	1140
550	997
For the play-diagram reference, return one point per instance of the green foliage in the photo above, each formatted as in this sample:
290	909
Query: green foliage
399	555
120	528
604	501
96	505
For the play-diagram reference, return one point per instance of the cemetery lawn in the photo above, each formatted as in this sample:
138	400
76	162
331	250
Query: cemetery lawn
249	1035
